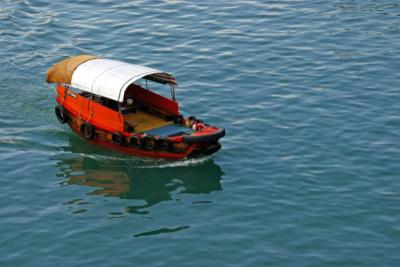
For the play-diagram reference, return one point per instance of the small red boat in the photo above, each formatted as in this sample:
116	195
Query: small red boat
109	102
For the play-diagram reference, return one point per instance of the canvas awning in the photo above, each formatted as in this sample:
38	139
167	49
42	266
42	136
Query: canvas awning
62	71
103	77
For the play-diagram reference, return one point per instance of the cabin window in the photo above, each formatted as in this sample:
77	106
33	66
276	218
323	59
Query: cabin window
158	88
104	101
73	89
86	94
107	102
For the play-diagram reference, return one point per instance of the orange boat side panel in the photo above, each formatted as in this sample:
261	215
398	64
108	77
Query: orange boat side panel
151	99
96	114
107	118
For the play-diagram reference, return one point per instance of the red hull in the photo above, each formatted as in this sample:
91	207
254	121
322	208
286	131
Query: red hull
134	151
105	123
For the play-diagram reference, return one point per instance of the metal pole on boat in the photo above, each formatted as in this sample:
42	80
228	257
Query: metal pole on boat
172	91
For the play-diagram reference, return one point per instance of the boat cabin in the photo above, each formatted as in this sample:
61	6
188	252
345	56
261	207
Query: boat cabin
115	96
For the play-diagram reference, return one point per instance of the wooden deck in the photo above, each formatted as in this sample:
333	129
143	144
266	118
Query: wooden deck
144	121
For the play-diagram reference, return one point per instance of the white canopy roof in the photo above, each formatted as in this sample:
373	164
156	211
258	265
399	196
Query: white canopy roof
110	78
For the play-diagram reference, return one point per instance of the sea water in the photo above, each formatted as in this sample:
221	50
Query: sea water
309	171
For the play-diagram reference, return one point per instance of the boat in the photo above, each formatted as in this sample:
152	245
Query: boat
110	103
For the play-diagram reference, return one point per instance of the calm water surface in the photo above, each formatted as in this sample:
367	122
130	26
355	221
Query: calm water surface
309	173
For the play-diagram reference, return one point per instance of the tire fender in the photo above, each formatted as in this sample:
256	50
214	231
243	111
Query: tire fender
61	114
135	141
163	144
148	142
88	131
118	138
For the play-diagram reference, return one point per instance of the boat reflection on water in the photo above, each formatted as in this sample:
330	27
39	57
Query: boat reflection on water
132	178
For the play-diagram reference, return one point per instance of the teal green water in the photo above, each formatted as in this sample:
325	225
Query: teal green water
309	172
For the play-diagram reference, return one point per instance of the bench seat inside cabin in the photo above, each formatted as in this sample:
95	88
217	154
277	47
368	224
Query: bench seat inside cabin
143	121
